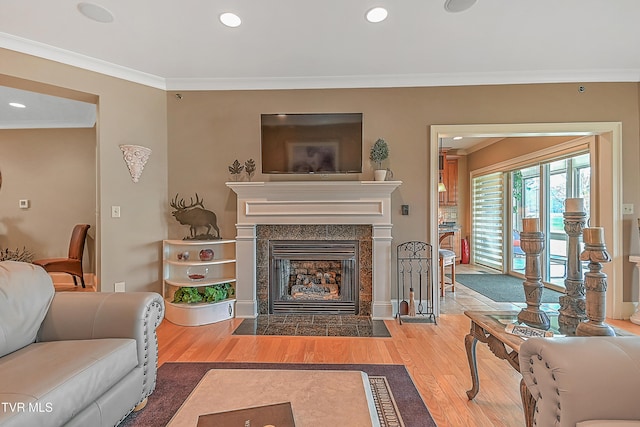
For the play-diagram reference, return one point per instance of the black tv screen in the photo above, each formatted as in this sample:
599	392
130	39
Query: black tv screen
311	143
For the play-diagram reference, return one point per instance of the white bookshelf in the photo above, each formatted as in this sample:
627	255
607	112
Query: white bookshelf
221	269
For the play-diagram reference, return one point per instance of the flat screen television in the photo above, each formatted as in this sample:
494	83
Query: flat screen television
320	143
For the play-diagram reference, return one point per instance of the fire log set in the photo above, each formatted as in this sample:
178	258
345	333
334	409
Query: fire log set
313	282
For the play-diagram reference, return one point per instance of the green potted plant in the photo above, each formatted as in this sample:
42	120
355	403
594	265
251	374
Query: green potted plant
379	153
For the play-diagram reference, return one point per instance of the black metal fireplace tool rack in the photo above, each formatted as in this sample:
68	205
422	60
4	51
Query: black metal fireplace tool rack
415	268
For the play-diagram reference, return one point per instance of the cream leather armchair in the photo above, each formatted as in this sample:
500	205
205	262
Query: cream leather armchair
583	381
73	358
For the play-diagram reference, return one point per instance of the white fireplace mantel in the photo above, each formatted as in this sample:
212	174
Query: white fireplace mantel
313	202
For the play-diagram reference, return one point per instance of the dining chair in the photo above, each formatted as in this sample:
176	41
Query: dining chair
73	263
447	258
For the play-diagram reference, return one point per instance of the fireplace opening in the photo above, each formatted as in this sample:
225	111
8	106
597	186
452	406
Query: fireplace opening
313	276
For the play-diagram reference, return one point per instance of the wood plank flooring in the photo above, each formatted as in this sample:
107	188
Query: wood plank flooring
433	354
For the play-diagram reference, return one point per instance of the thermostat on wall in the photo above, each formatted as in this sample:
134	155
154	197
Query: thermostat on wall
24	203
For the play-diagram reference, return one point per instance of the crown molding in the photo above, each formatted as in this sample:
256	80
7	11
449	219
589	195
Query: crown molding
63	56
405	80
42	50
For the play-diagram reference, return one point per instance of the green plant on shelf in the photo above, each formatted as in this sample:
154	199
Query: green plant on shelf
188	295
211	293
217	292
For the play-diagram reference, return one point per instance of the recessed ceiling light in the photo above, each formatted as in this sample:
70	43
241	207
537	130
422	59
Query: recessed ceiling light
457	138
95	12
230	19
377	14
17	105
455	6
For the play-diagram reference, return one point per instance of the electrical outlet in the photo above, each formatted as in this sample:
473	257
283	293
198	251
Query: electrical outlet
24	203
115	211
119	287
627	209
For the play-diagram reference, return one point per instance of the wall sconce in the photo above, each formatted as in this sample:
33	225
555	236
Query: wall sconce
135	156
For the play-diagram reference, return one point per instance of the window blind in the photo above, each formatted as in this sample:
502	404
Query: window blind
488	216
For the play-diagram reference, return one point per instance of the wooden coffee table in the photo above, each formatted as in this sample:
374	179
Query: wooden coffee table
318	397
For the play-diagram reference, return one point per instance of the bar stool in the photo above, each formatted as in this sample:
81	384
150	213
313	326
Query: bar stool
446	258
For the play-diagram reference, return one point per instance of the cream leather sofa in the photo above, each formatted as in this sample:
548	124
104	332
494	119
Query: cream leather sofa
73	359
583	381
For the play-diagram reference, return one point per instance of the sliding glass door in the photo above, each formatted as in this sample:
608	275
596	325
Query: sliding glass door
540	191
525	203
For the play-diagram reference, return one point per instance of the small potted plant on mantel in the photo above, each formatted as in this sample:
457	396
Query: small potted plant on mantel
379	153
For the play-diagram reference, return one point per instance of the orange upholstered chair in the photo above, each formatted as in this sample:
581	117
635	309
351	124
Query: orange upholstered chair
73	264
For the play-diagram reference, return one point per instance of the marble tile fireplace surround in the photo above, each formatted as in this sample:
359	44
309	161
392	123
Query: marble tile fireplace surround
317	273
357	211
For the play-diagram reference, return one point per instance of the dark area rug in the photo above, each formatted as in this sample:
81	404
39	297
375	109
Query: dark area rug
503	288
177	380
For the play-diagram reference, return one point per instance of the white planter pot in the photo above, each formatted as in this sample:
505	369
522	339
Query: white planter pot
379	174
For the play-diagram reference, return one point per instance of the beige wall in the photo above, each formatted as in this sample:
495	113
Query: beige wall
208	130
55	169
128	248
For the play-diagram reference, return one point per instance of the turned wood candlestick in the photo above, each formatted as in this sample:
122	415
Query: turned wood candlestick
572	305
532	243
595	283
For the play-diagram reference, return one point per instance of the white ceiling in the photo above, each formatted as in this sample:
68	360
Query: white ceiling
466	145
298	44
302	44
43	111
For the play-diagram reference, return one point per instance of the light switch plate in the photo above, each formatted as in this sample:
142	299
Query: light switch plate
24	204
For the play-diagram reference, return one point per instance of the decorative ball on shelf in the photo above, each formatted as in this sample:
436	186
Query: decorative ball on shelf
206	254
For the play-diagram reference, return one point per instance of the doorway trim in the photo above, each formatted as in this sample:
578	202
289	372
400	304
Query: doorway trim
606	180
